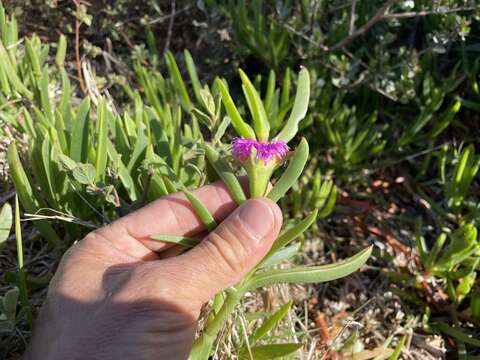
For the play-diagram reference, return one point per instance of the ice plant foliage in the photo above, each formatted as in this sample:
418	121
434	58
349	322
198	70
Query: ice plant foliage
260	155
270	151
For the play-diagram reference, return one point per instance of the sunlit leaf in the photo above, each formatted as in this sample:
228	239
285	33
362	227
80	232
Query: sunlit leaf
292	173
300	107
309	274
6	220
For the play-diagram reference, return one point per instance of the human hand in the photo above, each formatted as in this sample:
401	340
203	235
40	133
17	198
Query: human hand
119	295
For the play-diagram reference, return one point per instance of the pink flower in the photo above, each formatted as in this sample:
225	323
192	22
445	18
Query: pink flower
275	150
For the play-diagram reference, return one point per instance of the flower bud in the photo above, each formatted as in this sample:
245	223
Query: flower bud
260	159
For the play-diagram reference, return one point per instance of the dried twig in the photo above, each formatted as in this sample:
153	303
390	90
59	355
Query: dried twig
9	195
379	16
412	14
303	36
170	27
382	14
157	20
78	4
351	28
172	14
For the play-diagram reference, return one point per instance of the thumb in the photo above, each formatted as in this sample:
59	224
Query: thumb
231	250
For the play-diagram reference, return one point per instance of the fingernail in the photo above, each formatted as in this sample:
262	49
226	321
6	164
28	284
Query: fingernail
257	218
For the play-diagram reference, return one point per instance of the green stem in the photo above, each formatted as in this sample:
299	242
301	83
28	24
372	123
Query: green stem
258	176
202	346
21	279
258	186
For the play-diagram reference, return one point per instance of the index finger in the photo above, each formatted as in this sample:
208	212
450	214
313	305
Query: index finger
170	215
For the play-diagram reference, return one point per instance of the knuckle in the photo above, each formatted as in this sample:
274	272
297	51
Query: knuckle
229	251
144	280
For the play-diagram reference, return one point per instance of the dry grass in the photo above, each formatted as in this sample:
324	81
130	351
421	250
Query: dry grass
331	320
359	313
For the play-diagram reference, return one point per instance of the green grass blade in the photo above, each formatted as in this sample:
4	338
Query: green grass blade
33	57
178	81
61	51
398	349
192	72
101	145
45	98
11	73
270	91
420	241
270	323
456	333
3	22
18	234
437	247
65	100
22	283
274	351
61	131
221	129
46	160
79	143
330	203
26	195
139	149
123	172
5	85
462	164
445	120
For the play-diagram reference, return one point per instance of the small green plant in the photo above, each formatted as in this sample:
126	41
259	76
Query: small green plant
268	351
358	47
86	165
136	156
266	39
454	257
459	182
449	259
311	192
278	101
8	311
432	97
8	302
9	316
260	155
392	83
451	263
355	137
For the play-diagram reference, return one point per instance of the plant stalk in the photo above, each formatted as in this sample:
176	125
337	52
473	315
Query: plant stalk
202	346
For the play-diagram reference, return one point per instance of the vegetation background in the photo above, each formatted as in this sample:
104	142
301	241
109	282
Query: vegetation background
393	128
